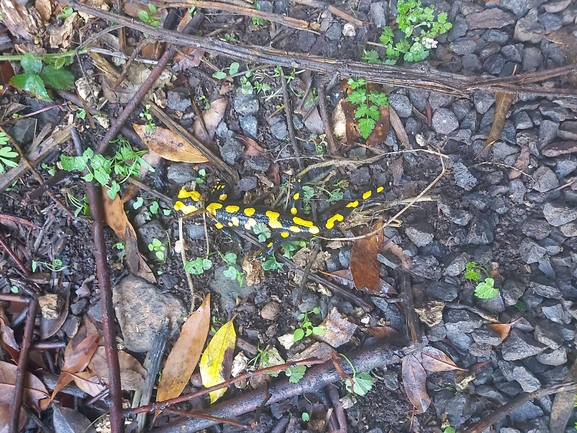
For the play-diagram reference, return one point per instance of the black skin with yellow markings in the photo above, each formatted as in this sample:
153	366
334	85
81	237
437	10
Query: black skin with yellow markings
283	226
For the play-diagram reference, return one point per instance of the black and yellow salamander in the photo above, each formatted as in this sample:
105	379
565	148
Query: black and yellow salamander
283	226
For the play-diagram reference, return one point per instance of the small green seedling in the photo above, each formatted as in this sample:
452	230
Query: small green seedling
271	264
66	12
55	266
295	373
148	17
81	114
449	430
358	383
198	266
201	175
37	76
108	172
368	105
262	232
147	116
419	30
80	205
158	249
485	285
232	272
307	328
7	154
232	70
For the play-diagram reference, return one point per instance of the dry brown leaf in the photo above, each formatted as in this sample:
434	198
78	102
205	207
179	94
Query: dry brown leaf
88	382
184	356
34	390
169	145
251	147
396	251
365	267
211	119
434	360
399	128
387	333
521	164
382	128
502	329
49	327
503	101
44	9
22	21
60	36
132	373
415	383
6	416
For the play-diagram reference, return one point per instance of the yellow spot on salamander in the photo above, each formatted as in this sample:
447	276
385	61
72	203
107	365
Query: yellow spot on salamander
332	220
213	207
353	204
232	208
306	223
235	221
285	234
273	221
194	195
218	226
380	189
295	229
185	209
223	197
294	210
296	196
251	222
249	211
230	224
367	194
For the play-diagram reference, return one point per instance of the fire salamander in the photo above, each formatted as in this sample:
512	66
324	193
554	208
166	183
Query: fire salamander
283	226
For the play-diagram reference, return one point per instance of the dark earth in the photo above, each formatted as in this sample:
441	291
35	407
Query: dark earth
511	208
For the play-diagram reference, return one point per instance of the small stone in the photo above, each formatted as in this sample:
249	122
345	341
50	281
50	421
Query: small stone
258	162
444	121
532	59
520	346
457	265
536	229
463	177
180	173
246	105
555	357
548	333
547	132
551	22
556	6
530	251
140	309
486	336
279	130
569	230
247	183
249	124
462	47
522	120
471	63
493	18
526	379
498	36
558	215
426	267
442	291
231	150
152	230
334	32
555	112
483	100
419	98
481	231
401	104
545	290
494	64
529	29
511	52
526	412
438	100
518	7
459	29
544	179
378	15
461	107
178	99
420	234
565	166
568	131
305	41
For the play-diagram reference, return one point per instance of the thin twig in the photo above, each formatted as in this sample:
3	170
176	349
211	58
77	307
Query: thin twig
332	145
289	118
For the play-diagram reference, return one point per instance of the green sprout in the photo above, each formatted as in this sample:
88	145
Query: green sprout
7	154
148	17
358	383
307	328
484	285
158	249
198	266
368	105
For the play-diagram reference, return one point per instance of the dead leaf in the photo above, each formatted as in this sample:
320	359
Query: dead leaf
397	171
60	36
132	373
365	267
502	329
78	353
344	277
431	313
415	383
503	101
6	416
117	220
251	147
399	128
434	360
34	389
22	21
213	363
396	251
382	127
9	343
65	419
521	164
387	333
169	145
211	119
338	329
253	269
49	327
184	356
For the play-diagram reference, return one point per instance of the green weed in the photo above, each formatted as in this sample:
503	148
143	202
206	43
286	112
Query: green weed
368	105
484	285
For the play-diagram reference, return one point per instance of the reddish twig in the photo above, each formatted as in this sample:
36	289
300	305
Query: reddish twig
19	384
14	257
315	378
103	276
19	220
133	104
332	144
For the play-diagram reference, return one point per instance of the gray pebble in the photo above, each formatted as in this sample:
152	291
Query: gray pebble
547	132
471	63
334	32
483	100
420	234
463	176
378	14
558	215
178	99
511	52
418	98
247	183
458	30
530	251
231	150
444	121
180	173
494	64
551	22
556	6
536	229
249	124
532	59
522	120
401	104
528	29
305	41
545	179
463	46
279	130
246	105
494	18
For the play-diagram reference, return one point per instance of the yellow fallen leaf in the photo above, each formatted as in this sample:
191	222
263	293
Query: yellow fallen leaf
216	361
185	354
169	145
